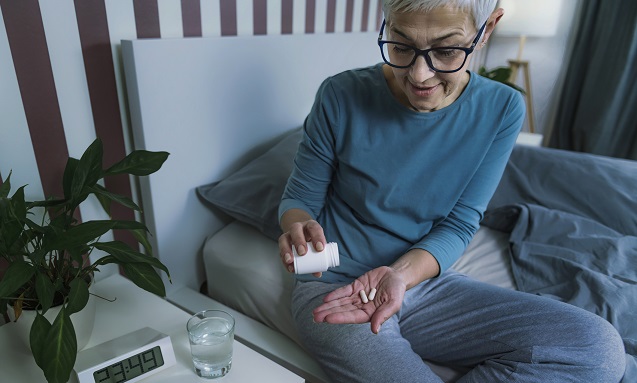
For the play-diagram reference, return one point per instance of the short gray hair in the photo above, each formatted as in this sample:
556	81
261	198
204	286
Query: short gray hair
479	9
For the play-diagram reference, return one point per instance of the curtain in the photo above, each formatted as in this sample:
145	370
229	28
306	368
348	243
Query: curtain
597	112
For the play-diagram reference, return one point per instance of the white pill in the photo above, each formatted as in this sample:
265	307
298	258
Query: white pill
372	294
363	296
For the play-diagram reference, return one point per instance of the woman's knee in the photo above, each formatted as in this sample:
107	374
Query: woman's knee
610	351
571	345
604	356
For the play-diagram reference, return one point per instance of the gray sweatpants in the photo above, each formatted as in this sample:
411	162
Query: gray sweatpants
501	335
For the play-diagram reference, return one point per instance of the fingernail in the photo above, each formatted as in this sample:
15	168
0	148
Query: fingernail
319	246
300	250
290	268
288	258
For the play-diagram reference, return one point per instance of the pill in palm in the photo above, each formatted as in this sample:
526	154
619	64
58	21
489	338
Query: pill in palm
363	296
372	294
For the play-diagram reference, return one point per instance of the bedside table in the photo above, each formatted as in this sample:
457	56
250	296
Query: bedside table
132	310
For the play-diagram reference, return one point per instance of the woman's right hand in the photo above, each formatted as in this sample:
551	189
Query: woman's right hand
298	234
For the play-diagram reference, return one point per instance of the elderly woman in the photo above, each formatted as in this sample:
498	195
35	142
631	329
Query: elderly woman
397	165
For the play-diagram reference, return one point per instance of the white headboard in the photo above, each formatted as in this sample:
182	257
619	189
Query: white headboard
214	103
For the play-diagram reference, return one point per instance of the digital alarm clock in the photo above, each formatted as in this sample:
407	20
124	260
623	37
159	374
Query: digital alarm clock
126	359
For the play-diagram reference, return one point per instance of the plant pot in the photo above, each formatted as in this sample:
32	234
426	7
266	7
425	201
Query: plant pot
83	322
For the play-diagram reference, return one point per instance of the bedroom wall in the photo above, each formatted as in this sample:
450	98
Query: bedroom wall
61	73
61	77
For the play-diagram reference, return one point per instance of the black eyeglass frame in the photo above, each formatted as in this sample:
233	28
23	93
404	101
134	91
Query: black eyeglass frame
425	52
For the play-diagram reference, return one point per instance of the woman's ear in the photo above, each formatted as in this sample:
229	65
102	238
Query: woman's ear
491	23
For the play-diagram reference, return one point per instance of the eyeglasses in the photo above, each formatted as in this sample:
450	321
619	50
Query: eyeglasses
439	59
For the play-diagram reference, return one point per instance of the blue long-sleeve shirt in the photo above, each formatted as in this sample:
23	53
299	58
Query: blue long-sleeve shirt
382	179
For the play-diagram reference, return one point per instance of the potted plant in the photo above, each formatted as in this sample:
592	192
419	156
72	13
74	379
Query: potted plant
48	259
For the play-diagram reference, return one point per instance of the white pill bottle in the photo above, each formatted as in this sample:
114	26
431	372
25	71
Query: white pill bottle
316	261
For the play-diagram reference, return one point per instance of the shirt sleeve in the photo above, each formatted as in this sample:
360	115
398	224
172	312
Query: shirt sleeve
449	239
315	160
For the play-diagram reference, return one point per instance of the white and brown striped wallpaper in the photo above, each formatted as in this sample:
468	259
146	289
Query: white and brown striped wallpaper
61	78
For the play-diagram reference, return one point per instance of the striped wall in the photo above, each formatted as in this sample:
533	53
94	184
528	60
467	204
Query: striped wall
61	79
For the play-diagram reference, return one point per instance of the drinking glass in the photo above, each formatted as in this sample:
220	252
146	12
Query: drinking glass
211	334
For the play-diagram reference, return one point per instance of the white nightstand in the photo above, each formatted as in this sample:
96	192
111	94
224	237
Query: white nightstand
133	310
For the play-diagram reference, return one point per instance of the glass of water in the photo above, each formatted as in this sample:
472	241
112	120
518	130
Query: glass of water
211	334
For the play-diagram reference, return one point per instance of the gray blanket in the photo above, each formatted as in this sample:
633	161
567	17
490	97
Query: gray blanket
577	260
573	223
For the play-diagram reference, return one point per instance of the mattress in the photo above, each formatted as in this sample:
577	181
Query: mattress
244	272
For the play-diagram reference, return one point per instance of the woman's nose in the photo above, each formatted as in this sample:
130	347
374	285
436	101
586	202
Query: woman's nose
420	70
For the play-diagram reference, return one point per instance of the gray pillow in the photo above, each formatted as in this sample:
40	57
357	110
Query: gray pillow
253	193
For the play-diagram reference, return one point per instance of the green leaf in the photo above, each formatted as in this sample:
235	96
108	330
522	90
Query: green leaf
80	234
88	170
500	74
103	200
78	253
145	276
18	204
59	223
5	209
67	178
34	226
45	290
125	254
139	163
78	296
37	256
15	276
105	260
46	204
13	214
129	225
101	193
37	337
60	349
141	237
5	188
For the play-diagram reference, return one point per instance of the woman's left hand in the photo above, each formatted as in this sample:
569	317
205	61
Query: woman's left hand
345	305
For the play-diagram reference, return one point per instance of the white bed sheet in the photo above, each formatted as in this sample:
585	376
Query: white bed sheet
243	271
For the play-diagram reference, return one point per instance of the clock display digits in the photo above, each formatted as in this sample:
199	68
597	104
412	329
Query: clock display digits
102	375
150	361
131	367
135	365
119	375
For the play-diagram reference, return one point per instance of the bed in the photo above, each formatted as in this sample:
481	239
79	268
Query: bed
229	110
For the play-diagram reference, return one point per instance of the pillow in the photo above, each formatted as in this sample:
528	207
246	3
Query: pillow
253	193
592	186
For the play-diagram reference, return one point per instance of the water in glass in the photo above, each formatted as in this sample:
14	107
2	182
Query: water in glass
211	346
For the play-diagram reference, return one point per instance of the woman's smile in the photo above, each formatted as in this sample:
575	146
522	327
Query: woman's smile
423	91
